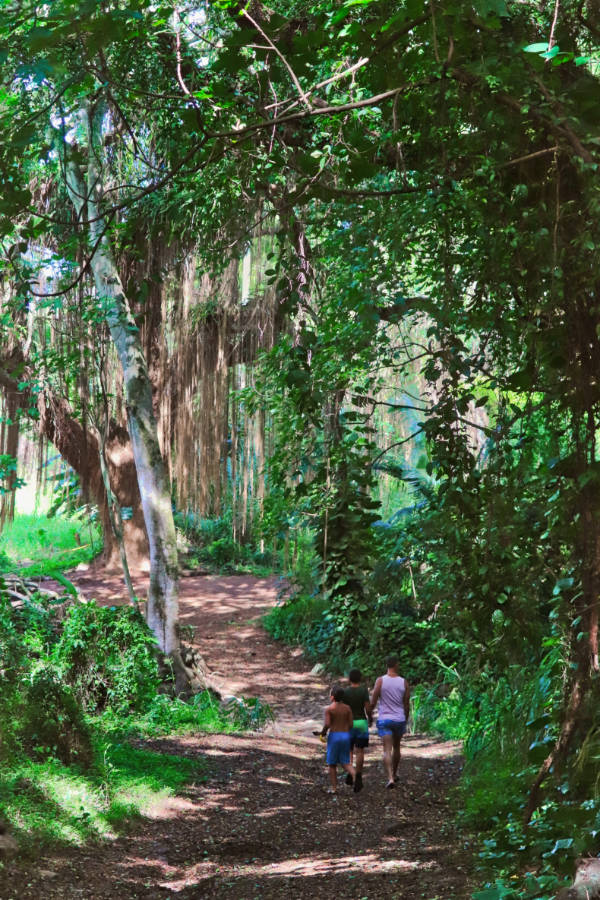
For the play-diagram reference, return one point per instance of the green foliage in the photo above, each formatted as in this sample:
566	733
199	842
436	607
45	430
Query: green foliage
363	631
8	474
300	621
165	715
75	691
109	655
40	715
210	545
51	722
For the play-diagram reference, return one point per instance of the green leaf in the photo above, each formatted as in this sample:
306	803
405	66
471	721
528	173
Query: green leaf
562	844
68	585
538	722
550	53
536	48
496	892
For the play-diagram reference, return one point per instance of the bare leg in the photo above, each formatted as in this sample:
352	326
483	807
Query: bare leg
333	778
395	755
387	758
347	767
360	759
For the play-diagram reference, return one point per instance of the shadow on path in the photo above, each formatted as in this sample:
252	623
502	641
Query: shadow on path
261	826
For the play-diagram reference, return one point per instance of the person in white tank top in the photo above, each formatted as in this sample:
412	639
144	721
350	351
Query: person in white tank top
392	692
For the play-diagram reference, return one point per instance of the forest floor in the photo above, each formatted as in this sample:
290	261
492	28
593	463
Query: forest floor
260	824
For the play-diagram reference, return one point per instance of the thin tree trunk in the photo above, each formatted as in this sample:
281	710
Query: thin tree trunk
116	521
234	452
260	462
163	605
9	445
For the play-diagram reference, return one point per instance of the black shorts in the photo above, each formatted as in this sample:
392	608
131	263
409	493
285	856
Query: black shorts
359	738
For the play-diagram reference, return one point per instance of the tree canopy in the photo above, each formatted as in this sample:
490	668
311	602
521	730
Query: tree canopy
331	266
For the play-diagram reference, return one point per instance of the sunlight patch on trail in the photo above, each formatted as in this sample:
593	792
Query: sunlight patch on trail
305	867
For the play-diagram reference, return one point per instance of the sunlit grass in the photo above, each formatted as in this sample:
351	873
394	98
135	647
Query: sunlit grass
36	545
52	803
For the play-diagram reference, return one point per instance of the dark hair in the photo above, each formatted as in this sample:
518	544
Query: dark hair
391	662
337	693
355	675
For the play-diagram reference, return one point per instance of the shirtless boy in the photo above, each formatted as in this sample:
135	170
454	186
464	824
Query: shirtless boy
338	722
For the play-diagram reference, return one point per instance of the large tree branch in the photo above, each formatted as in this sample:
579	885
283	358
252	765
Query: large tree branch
562	129
77	446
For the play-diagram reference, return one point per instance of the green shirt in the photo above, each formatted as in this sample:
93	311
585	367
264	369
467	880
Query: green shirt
356	697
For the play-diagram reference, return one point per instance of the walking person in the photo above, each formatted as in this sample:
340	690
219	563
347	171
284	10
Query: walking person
338	722
392	692
356	696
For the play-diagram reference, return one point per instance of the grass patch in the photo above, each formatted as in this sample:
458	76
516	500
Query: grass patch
49	803
52	803
36	545
201	713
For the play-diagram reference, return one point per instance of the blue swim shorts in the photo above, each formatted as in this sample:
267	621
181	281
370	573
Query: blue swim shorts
389	726
359	735
338	748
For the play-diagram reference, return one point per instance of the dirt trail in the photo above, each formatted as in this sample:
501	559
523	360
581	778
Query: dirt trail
261	826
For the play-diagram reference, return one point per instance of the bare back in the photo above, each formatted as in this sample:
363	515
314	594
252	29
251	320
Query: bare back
338	716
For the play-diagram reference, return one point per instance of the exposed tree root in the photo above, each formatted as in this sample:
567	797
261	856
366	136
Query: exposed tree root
191	674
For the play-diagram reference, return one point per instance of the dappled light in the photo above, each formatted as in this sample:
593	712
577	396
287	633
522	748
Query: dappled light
300	449
257	821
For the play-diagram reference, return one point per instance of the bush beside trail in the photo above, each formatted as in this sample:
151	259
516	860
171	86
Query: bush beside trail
81	684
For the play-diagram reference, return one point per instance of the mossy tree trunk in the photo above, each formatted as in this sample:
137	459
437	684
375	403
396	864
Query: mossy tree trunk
86	192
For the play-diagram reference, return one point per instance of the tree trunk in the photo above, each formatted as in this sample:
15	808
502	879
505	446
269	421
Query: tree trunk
9	445
81	451
163	605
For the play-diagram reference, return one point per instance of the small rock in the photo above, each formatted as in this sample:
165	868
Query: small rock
317	669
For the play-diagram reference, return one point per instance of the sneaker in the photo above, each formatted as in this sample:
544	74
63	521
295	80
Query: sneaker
358	784
390	784
349	779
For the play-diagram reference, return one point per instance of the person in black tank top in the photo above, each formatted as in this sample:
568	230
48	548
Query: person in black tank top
356	695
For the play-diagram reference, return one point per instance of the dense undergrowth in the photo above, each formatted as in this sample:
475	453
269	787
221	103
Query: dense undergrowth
78	686
209	544
504	707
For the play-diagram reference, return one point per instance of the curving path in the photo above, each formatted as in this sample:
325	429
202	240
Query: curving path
261	825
